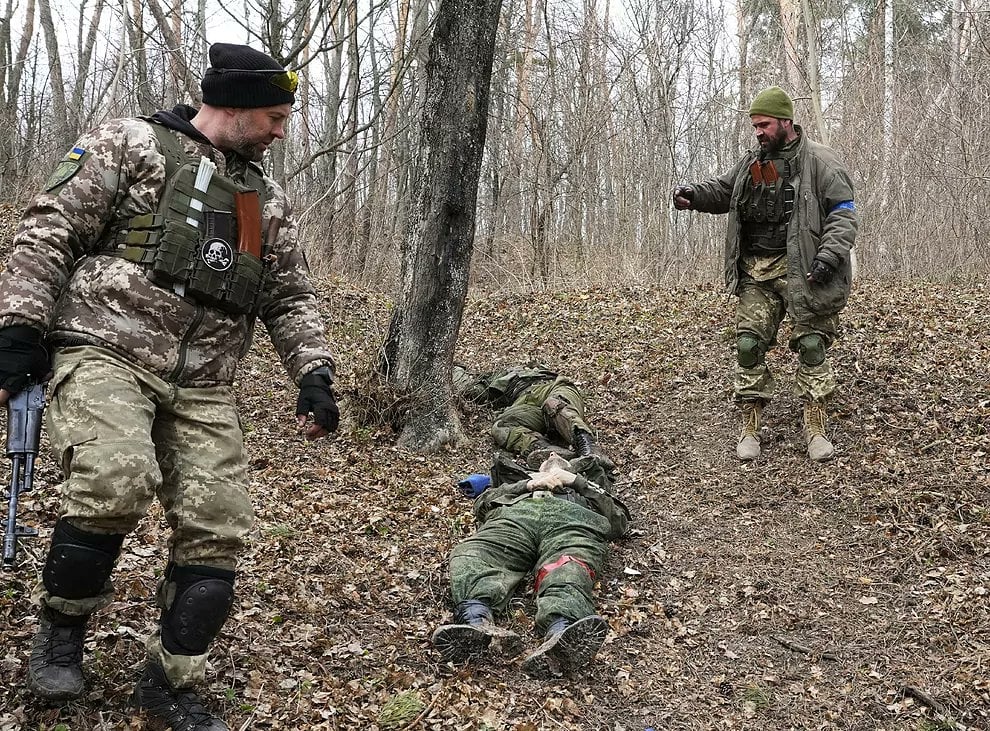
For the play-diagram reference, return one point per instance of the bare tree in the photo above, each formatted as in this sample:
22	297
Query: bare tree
418	351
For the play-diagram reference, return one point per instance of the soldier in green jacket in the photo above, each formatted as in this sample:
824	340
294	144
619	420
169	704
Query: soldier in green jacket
556	522
140	271
791	228
538	407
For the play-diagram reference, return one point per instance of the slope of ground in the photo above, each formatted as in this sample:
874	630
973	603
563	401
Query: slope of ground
775	595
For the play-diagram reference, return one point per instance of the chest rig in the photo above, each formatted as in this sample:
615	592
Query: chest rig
205	244
766	204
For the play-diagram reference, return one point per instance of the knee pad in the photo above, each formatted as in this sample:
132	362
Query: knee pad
79	562
749	350
200	598
811	349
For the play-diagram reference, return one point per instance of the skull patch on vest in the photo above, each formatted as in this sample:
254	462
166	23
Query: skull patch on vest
217	254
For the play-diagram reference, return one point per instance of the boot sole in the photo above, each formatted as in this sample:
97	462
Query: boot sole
573	648
460	642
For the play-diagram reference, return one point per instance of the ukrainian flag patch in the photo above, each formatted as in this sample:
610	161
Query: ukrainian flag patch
76	153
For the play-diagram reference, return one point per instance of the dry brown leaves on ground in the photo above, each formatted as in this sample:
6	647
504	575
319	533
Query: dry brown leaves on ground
775	595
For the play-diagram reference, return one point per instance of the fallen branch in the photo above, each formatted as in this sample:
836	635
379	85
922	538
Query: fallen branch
795	647
916	694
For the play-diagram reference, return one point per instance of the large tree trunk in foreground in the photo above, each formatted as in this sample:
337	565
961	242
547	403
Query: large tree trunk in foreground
436	256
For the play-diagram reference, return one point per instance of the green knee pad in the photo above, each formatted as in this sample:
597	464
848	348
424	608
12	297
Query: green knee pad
749	351
811	349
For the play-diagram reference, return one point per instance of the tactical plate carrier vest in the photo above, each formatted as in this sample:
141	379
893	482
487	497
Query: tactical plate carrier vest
194	243
765	206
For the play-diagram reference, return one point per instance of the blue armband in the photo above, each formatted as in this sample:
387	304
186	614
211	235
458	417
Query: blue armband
844	205
474	485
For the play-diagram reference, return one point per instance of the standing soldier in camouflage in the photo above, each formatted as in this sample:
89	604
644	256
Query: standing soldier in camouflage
537	404
791	228
141	269
556	522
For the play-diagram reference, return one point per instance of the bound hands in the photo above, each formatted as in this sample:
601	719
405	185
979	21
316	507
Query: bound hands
23	360
316	397
553	479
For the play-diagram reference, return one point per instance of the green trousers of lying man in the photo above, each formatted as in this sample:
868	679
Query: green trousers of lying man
556	523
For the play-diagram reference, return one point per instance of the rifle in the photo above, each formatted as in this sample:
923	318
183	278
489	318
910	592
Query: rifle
24	410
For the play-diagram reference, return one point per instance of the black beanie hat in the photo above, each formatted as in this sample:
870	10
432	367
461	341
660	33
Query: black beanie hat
242	77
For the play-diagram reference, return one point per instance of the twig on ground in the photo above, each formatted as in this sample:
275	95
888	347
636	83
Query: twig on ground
924	699
795	647
421	716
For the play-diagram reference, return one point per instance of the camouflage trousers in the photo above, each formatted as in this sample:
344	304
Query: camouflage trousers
533	533
760	312
125	437
555	407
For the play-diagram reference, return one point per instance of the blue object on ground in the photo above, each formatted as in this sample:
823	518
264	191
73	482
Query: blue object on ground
474	485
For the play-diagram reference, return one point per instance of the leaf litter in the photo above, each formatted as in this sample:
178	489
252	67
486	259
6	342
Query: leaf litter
778	594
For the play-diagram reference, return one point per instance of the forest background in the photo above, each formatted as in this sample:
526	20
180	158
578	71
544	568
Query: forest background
597	110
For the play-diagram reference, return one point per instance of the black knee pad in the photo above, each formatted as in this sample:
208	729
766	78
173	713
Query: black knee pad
79	562
749	350
202	600
811	349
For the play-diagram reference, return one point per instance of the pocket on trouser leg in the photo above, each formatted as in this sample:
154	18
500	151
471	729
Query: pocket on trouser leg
814	383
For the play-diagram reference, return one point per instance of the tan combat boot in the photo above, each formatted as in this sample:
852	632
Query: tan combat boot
748	447
819	447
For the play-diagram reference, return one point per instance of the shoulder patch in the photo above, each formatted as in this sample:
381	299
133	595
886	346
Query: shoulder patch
66	169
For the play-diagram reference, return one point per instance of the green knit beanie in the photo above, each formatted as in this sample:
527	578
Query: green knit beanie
773	102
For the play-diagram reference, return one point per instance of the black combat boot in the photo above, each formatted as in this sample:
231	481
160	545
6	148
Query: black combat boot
172	708
55	667
567	645
471	634
585	445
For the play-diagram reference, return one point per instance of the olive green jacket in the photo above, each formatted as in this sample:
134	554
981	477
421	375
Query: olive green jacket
823	224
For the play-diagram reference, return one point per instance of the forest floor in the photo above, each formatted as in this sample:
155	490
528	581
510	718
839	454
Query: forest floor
774	595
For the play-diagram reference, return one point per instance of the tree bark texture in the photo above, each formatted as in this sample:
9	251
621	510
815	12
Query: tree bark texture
436	257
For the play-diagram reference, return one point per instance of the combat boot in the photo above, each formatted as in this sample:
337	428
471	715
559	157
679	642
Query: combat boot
172	708
820	448
567	646
472	633
748	446
541	450
55	666
585	445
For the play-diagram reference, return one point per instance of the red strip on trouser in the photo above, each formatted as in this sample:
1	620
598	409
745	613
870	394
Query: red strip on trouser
565	559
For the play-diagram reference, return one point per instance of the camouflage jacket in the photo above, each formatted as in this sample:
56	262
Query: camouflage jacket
60	281
824	224
592	490
499	388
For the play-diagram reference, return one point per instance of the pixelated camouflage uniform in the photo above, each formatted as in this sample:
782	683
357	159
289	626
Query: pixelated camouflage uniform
140	402
520	531
523	394
768	287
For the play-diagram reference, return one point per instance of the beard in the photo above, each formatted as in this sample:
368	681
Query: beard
771	144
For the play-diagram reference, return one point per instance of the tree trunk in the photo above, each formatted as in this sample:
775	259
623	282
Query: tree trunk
59	107
789	31
418	351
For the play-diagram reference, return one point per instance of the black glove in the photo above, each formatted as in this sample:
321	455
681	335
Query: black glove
316	398
821	272
687	193
23	358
